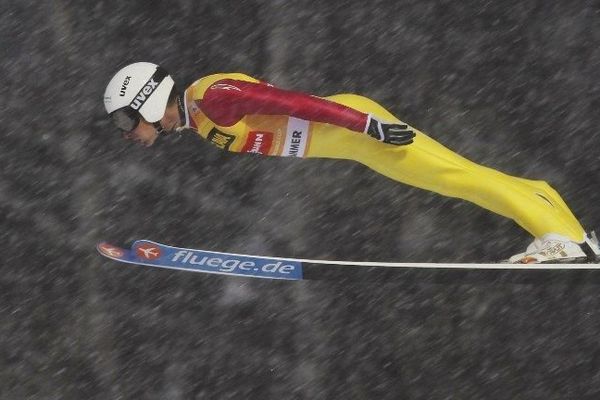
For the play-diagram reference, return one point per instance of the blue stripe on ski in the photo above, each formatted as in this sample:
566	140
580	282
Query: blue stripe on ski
145	252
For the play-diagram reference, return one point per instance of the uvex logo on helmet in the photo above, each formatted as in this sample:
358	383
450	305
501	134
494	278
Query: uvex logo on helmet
143	94
124	86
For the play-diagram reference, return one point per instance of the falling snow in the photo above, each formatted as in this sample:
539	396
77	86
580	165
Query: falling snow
510	84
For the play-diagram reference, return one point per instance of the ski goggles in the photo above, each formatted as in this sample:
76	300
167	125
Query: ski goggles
126	118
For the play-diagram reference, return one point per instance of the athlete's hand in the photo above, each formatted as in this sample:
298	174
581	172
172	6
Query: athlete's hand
397	134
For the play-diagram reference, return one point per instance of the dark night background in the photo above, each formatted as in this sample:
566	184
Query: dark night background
510	84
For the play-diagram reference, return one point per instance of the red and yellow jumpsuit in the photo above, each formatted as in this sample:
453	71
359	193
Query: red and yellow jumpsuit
241	114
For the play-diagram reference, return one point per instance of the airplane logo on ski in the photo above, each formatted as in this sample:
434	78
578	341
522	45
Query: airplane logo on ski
148	251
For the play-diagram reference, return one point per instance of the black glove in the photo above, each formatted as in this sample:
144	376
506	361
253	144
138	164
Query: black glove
390	133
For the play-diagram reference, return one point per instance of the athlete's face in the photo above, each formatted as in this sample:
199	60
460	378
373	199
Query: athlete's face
145	133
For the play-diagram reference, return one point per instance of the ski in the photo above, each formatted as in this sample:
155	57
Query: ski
153	254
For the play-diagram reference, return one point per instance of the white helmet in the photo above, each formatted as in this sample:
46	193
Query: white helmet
138	89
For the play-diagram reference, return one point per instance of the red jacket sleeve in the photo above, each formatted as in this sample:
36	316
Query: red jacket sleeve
227	101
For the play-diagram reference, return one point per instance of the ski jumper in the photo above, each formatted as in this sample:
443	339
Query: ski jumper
241	114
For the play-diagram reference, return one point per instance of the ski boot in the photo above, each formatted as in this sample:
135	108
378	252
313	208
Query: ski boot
557	249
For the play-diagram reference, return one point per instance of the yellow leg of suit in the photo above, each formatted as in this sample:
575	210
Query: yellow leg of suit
426	164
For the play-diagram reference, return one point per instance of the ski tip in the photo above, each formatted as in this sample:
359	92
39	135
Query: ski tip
110	251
